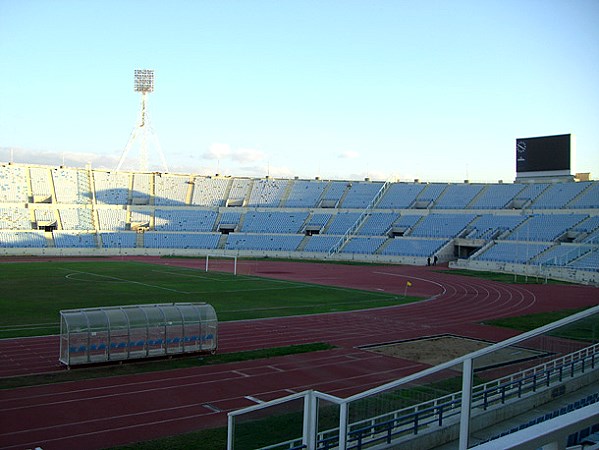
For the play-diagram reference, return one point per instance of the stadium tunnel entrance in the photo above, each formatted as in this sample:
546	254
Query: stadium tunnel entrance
465	248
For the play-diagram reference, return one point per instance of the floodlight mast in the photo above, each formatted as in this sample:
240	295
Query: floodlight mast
143	82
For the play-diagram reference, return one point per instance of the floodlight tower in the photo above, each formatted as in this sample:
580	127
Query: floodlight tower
143	133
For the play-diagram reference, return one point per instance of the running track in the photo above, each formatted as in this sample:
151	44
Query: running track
101	413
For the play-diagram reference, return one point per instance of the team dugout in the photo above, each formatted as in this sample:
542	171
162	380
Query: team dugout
96	335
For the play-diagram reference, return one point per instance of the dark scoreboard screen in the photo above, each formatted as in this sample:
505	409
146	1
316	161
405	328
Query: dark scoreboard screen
547	153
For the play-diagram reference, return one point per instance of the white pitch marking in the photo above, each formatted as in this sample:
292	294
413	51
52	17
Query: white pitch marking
212	407
129	281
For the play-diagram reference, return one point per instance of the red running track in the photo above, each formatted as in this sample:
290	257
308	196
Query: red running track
101	413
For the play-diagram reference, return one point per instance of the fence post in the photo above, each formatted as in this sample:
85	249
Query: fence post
230	432
310	416
343	426
466	403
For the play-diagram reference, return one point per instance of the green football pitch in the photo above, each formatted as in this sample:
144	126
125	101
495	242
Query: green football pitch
32	294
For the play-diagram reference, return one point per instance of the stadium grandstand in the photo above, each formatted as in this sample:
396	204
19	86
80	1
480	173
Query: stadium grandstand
543	229
538	228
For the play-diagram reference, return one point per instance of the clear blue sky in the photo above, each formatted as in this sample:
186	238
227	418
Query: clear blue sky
436	90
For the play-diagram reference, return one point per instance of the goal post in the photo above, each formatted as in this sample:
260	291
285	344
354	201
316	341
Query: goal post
221	263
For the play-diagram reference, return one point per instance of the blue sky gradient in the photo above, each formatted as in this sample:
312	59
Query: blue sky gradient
436	90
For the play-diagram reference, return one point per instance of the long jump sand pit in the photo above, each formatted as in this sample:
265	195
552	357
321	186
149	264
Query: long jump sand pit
435	350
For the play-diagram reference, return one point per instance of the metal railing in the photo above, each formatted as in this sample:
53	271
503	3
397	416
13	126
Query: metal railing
407	422
411	420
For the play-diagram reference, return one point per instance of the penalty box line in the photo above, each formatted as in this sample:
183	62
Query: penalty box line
126	281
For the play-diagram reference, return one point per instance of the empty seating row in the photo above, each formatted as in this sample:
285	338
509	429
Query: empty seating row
230	218
400	195
273	222
496	196
589	198
76	219
378	223
181	240
319	220
406	246
140	344
561	254
125	239
529	194
575	439
142	188
341	222
458	196
184	220
264	242
13	184
171	190
305	194
538	227
559	194
75	186
512	252
72	186
490	226
267	192
41	184
112	188
71	239
44	215
545	227
428	196
112	219
240	188
332	195
22	239
360	194
209	191
442	225
320	243
14	218
588	261
587	225
363	245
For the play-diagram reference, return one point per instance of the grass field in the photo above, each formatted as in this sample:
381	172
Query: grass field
586	330
32	294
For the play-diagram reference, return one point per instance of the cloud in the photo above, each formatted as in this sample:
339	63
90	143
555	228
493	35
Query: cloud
241	155
244	155
262	170
350	154
217	151
56	158
374	175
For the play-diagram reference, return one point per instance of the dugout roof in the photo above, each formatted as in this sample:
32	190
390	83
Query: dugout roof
136	331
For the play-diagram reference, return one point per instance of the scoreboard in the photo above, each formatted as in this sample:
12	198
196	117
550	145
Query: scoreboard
544	156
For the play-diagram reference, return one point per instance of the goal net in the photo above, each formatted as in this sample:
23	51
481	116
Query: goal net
227	264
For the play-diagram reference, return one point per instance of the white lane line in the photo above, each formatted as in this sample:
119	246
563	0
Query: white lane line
212	408
254	399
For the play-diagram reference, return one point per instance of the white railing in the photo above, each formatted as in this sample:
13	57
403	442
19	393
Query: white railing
458	405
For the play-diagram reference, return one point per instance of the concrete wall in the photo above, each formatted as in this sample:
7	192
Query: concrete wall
542	272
